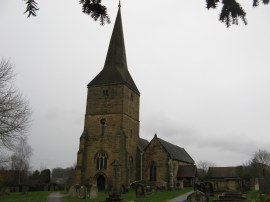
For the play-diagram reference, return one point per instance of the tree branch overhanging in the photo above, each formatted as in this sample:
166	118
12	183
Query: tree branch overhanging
230	13
31	8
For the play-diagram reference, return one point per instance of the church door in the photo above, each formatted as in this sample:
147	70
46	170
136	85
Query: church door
101	183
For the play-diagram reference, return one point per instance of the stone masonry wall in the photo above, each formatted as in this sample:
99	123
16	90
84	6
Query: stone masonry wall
155	152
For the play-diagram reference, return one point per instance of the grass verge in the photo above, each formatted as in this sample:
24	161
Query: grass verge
29	197
130	196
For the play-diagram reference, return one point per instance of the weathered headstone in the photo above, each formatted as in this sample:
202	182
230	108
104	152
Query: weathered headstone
25	189
197	196
264	186
209	189
257	185
7	190
93	191
140	190
72	191
82	192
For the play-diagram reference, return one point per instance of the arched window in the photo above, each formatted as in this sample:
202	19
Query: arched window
101	160
153	171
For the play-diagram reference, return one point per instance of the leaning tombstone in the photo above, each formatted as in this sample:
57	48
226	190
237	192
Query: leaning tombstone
140	190
82	192
93	191
72	191
197	196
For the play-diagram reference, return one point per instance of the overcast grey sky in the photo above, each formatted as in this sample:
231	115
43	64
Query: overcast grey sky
203	87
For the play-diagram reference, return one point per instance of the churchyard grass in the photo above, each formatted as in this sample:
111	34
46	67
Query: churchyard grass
162	196
28	197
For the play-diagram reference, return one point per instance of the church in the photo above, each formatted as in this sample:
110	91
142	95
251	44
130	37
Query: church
111	130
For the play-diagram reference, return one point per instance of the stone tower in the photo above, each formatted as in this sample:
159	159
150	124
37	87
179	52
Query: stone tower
111	128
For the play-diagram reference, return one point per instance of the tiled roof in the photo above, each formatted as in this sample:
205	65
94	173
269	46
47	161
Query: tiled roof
223	172
185	171
176	152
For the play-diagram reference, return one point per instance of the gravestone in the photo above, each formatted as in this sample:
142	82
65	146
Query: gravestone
197	196
264	185
93	191
46	187
82	192
7	190
202	187
52	187
72	191
140	190
209	189
115	195
257	185
124	190
25	189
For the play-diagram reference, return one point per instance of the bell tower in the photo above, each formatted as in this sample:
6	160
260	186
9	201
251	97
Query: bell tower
111	127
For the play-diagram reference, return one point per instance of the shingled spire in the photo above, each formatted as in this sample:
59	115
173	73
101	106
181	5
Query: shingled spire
115	69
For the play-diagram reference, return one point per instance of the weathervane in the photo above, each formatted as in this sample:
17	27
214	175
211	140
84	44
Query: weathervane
119	5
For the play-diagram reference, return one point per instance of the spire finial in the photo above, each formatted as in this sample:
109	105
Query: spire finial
119	5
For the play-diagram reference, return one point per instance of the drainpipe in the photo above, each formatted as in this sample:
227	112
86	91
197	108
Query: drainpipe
141	164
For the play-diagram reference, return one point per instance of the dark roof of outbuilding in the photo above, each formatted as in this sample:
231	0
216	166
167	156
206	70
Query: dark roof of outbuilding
115	69
143	143
223	172
176	152
186	171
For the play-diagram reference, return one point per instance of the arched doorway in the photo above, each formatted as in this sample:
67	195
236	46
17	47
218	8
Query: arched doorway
101	182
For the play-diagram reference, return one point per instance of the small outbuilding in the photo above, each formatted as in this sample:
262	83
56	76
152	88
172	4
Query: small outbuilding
225	178
187	174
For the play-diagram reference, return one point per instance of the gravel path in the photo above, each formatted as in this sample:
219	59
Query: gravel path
55	197
181	198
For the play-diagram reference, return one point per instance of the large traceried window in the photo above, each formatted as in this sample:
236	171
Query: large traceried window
101	160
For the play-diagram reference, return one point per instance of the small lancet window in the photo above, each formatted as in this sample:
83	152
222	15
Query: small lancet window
131	97
101	160
153	171
105	93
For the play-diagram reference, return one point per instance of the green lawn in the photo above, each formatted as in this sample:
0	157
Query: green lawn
29	197
130	196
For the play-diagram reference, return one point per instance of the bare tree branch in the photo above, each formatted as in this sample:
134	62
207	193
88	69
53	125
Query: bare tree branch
20	160
14	109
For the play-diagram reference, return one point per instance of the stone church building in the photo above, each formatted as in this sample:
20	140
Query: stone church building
111	130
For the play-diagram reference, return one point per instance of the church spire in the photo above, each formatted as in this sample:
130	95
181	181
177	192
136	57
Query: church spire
115	69
116	55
